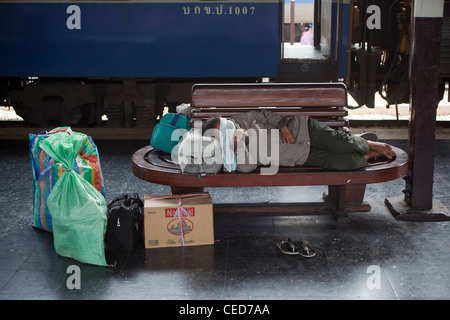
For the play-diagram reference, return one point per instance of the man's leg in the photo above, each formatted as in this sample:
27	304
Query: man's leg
328	160
335	141
335	149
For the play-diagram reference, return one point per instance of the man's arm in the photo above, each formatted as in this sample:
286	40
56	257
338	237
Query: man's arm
286	135
281	123
272	118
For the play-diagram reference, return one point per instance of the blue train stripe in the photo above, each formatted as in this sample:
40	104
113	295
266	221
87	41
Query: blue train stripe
140	39
141	1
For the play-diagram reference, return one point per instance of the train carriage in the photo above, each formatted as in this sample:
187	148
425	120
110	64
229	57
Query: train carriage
77	62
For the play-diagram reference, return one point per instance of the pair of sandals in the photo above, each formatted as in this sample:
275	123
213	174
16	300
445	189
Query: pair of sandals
290	247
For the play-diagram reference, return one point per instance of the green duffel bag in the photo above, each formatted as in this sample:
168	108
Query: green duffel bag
168	132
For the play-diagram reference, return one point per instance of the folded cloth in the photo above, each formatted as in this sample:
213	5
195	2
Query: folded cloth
227	129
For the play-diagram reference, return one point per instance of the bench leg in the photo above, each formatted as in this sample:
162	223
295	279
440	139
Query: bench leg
184	190
346	198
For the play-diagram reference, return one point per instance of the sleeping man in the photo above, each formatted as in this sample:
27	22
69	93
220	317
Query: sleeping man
266	139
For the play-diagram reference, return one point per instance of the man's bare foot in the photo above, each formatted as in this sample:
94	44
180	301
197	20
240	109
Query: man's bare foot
372	155
383	149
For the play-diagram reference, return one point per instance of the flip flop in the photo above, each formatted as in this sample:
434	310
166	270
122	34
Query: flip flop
305	250
287	246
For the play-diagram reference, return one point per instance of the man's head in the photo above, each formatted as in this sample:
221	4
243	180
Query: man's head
211	123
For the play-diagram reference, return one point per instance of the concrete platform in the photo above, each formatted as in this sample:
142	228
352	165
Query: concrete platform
372	257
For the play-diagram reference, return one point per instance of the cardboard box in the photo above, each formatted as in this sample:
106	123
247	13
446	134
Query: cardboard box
163	228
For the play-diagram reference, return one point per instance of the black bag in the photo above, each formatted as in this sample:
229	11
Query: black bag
124	228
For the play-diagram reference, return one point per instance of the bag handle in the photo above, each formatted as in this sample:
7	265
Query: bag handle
31	146
174	119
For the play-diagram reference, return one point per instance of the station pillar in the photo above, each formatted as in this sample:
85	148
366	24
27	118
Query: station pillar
426	29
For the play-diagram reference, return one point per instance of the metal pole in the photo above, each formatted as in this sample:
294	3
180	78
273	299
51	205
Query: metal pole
292	22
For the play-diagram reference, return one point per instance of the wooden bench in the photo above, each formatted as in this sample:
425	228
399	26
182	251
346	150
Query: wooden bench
324	101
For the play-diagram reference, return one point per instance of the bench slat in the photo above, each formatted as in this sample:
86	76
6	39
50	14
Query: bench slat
338	124
312	112
261	95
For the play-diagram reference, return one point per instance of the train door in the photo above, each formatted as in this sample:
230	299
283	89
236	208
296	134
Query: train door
315	40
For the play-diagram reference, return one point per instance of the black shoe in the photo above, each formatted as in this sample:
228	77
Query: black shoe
368	136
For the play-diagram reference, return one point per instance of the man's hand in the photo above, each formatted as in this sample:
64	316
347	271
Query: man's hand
239	134
286	135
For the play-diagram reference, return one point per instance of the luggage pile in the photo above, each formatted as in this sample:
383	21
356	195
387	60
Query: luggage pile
69	199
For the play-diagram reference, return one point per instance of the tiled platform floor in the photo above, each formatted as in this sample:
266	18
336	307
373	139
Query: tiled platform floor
411	258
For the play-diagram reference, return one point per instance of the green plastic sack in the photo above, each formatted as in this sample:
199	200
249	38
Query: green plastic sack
78	210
